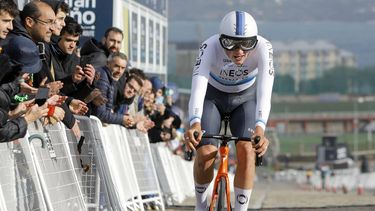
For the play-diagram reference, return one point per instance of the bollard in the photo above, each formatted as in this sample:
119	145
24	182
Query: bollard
344	189
334	189
360	190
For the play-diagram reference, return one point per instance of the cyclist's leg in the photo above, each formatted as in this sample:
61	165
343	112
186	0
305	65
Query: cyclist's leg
243	118
206	153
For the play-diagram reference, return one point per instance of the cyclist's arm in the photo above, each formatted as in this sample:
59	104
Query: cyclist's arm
199	84
264	84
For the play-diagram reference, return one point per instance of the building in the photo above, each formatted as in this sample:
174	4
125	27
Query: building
309	60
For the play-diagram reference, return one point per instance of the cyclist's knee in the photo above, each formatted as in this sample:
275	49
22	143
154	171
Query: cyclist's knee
206	156
245	153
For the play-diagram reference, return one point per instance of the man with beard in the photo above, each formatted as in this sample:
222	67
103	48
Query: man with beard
96	53
109	74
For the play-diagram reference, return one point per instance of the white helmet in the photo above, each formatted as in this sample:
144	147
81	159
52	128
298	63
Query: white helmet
238	24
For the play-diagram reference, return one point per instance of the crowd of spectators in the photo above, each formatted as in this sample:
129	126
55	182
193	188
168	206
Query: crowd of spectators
40	51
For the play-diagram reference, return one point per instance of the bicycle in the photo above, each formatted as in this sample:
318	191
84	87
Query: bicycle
221	182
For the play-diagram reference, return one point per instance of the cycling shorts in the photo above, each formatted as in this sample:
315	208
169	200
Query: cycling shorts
240	107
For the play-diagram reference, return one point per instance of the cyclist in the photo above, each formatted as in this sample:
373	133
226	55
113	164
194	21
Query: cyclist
233	75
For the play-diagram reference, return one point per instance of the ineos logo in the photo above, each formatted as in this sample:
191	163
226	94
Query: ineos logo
200	189
242	199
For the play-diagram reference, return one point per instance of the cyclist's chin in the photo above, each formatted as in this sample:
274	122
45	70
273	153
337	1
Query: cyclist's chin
238	61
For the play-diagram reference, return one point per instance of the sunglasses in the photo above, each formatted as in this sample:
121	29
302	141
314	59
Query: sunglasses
232	43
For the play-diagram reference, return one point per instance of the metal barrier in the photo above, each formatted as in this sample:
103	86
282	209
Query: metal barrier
174	174
19	185
112	170
54	166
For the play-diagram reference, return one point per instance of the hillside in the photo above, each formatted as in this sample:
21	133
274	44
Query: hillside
275	10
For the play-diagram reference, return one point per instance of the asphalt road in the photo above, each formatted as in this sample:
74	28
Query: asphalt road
273	195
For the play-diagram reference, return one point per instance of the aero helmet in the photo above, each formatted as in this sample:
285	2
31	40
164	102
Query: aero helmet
238	24
238	29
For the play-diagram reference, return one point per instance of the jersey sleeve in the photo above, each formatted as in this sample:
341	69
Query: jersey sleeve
199	83
264	83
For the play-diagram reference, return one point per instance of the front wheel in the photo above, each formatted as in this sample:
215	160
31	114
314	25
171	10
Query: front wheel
220	205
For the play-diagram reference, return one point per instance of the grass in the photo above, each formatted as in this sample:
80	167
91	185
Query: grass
306	143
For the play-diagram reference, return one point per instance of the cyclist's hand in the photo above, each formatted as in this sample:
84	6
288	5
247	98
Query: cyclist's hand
190	141
262	145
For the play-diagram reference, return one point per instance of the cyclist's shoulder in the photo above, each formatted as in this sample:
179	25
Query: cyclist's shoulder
263	41
211	41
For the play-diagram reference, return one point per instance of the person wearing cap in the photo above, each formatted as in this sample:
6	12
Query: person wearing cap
233	75
23	58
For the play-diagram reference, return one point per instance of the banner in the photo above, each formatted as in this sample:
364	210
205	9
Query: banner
95	16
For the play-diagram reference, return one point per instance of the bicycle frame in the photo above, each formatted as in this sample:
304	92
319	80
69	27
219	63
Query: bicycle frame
222	173
223	166
223	169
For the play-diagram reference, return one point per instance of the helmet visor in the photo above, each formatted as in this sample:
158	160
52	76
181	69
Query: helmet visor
232	43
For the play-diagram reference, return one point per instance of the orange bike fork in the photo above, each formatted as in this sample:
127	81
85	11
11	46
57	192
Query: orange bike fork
221	173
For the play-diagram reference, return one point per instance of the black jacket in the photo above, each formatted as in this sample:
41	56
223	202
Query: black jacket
67	63
12	129
93	52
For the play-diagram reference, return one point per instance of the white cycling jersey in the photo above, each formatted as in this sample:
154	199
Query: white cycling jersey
213	66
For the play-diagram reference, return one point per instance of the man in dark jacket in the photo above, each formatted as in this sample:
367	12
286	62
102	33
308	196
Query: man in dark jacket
29	62
109	74
96	53
77	80
8	11
37	22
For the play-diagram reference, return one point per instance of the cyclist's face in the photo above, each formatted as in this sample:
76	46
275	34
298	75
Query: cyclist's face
238	56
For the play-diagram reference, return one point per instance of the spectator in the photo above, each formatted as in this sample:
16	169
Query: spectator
96	53
77	81
29	62
61	10
157	88
133	85
36	22
109	74
8	11
132	88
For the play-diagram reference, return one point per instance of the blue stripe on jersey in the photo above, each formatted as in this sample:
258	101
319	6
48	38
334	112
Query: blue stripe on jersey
194	117
240	23
261	121
231	83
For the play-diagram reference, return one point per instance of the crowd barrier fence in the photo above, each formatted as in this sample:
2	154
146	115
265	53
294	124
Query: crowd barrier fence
114	169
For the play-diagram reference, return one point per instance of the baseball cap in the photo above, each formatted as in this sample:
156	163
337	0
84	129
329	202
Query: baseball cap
157	83
25	53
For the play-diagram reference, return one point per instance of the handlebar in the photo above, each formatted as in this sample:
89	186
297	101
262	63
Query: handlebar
227	138
224	137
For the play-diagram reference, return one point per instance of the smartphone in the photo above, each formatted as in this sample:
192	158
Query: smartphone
159	100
